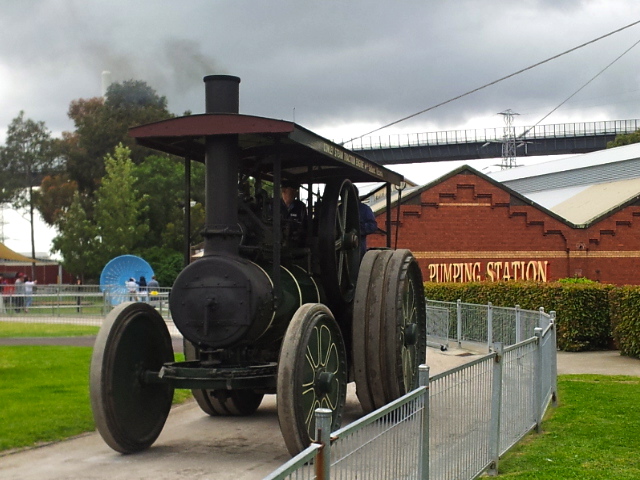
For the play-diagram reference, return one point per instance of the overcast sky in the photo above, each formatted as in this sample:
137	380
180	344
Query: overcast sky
339	68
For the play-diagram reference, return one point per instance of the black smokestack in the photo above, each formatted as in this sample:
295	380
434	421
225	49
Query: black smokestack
221	232
222	94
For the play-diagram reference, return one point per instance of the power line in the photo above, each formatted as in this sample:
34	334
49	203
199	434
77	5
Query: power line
495	81
578	91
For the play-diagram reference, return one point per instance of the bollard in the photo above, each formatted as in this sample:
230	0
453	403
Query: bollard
323	437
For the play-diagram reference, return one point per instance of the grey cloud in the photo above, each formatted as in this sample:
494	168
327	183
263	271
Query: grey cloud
331	61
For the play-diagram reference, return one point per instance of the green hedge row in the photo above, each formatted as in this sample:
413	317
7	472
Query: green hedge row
625	319
584	318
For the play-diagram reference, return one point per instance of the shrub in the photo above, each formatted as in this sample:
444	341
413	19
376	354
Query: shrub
624	305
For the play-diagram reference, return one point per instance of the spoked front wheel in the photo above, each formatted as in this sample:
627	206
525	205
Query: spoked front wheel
312	373
129	412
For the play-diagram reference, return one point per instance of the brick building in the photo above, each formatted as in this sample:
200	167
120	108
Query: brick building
467	226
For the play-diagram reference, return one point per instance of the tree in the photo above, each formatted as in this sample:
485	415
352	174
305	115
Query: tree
160	180
118	223
132	94
25	158
118	209
103	124
76	239
55	197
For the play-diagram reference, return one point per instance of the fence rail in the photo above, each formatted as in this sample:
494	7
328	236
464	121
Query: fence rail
481	323
77	304
449	137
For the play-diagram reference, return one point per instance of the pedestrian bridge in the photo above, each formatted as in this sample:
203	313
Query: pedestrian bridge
556	139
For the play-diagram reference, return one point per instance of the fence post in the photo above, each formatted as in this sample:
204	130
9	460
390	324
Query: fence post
323	437
496	407
518	325
554	359
459	322
538	379
423	372
489	325
58	299
541	317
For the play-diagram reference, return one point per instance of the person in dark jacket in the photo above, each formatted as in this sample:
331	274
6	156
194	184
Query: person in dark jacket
368	223
294	215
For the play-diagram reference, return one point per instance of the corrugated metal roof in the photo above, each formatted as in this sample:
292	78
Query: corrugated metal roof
570	164
551	198
581	188
596	200
589	175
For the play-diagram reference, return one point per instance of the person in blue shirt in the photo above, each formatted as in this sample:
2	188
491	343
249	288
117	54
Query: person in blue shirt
368	223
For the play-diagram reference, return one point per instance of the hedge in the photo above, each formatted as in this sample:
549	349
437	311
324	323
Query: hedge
625	319
583	318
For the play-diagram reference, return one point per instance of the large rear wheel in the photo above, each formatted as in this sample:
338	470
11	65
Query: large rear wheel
368	318
339	242
405	337
312	373
129	412
389	329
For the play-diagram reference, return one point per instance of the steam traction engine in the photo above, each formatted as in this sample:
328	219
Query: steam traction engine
273	306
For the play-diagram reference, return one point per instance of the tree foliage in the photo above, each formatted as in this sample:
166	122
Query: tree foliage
626	139
118	223
25	158
160	180
76	239
119	209
103	124
55	197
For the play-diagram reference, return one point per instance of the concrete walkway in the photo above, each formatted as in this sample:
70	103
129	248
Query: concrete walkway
607	362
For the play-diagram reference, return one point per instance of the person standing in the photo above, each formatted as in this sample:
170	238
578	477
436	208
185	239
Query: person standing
18	287
153	287
29	286
132	288
153	284
368	223
294	215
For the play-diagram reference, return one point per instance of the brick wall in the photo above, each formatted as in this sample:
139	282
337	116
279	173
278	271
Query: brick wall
467	227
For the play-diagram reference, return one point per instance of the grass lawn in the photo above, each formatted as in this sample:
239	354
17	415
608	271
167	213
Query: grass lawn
44	394
18	329
593	435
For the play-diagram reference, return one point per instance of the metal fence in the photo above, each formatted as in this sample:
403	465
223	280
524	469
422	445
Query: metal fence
457	425
76	304
387	443
481	323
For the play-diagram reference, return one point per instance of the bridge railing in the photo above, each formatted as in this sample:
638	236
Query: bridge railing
448	137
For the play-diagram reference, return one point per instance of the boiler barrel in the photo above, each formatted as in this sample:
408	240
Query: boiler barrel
222	301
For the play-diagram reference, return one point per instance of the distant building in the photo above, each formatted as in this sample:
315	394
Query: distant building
574	217
46	271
